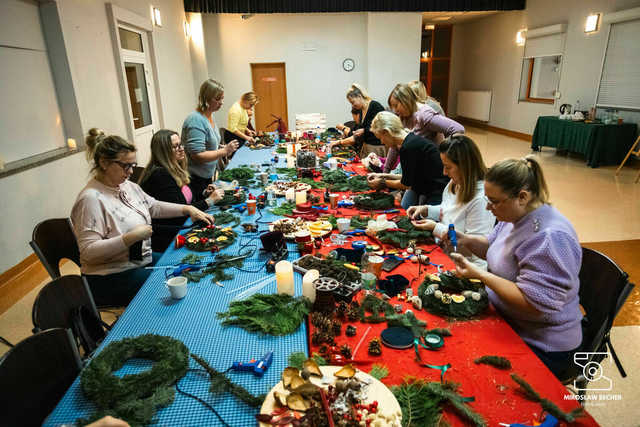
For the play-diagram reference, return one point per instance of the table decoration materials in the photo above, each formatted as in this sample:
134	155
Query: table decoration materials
223	263
243	174
209	238
376	200
231	197
495	361
403	234
448	295
547	405
286	208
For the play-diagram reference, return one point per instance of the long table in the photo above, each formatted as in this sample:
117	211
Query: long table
193	321
599	143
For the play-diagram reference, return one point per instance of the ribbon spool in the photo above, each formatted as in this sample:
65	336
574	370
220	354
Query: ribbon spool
359	244
325	301
433	341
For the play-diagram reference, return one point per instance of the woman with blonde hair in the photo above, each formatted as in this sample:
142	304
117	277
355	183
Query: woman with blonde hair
363	139
238	118
421	164
112	224
463	203
201	137
166	178
421	93
534	259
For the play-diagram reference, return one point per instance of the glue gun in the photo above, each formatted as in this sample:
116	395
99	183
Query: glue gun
549	421
241	207
258	367
452	237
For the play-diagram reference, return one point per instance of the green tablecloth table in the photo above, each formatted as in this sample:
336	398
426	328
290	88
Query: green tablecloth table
599	143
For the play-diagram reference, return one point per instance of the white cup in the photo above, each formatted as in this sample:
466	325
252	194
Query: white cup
343	224
177	287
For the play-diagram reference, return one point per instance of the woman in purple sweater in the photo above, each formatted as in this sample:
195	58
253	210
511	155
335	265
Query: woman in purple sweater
533	257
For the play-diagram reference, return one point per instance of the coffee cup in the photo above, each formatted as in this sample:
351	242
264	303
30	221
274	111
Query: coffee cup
177	287
343	224
251	207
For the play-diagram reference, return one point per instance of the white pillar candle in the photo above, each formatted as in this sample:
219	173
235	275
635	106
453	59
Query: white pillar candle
284	278
298	147
290	195
308	289
291	162
290	148
301	197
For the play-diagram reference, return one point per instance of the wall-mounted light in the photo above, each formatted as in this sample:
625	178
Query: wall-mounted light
187	29
591	24
157	18
429	27
247	16
520	37
441	18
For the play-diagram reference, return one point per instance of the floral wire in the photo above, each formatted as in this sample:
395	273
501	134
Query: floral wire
200	400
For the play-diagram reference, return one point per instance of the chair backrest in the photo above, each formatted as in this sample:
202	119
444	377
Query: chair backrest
135	175
53	240
35	375
604	287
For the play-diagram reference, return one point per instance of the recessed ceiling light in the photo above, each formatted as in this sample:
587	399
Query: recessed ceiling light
429	27
441	18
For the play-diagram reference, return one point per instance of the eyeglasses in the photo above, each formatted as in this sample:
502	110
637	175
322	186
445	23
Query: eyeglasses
178	147
493	203
126	166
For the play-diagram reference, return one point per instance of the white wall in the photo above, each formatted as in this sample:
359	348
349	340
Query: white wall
316	81
49	191
487	58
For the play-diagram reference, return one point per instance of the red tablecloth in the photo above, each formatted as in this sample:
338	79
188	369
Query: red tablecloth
496	395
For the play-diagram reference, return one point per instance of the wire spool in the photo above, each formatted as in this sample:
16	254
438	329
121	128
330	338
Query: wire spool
325	301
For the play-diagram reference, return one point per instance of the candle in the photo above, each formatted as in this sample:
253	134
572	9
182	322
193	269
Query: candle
284	278
71	143
290	149
298	147
301	197
308	288
290	195
291	162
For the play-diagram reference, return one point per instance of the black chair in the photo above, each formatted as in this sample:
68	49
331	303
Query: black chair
135	175
35	375
53	240
604	288
66	302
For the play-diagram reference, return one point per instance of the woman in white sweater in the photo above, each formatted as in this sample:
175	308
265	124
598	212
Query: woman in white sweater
112	223
463	202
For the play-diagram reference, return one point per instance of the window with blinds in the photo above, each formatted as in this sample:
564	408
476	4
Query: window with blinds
620	79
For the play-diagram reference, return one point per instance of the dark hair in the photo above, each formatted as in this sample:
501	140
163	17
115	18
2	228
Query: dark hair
462	151
514	175
108	148
163	156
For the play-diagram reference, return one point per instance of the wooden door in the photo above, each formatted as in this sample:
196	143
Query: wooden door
270	84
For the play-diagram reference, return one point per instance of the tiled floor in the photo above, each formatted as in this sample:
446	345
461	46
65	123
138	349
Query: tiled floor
601	208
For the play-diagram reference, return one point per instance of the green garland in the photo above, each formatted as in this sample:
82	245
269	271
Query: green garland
375	306
231	197
223	218
272	314
219	273
289	173
355	184
408	320
438	301
401	239
134	398
220	384
297	359
421	403
243	174
286	208
374	201
547	405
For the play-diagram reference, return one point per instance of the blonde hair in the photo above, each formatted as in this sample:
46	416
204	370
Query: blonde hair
91	141
108	148
163	156
407	98
250	97
514	175
464	153
419	89
387	121
357	91
209	89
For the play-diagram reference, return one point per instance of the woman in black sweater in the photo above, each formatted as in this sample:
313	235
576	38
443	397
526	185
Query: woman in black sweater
166	178
364	140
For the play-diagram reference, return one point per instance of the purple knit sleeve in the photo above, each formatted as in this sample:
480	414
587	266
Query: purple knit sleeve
549	263
426	118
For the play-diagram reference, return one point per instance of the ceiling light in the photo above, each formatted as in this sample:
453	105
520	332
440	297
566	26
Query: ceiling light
592	23
429	27
441	18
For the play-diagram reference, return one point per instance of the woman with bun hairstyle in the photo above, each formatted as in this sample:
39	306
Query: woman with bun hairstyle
166	178
112	223
363	139
534	259
238	118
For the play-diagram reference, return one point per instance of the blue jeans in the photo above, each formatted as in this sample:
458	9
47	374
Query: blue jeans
118	289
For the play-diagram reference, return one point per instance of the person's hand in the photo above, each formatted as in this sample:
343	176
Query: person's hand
231	147
250	132
137	233
346	131
372	176
460	237
251	140
358	132
108	421
465	268
376	183
417	212
424	224
216	195
340	126
197	215
334	143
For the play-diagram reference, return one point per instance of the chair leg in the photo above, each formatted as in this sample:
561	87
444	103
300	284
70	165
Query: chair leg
615	357
627	157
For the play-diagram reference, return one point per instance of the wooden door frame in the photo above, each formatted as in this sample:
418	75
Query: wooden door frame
286	101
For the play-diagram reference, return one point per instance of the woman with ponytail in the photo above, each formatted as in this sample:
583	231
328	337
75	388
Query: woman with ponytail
534	258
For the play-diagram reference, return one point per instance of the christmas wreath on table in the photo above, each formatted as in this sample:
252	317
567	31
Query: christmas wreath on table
243	174
403	234
374	201
231	197
210	238
452	296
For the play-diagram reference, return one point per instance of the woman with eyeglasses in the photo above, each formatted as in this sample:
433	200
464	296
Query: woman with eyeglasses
112	223
463	203
534	259
201	137
166	178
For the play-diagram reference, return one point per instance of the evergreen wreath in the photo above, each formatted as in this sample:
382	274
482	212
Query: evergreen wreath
376	200
134	398
405	233
210	238
243	174
231	197
452	296
222	218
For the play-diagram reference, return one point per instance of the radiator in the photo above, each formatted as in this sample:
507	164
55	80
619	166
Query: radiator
474	104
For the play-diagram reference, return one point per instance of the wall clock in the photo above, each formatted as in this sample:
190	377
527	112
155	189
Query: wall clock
348	64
